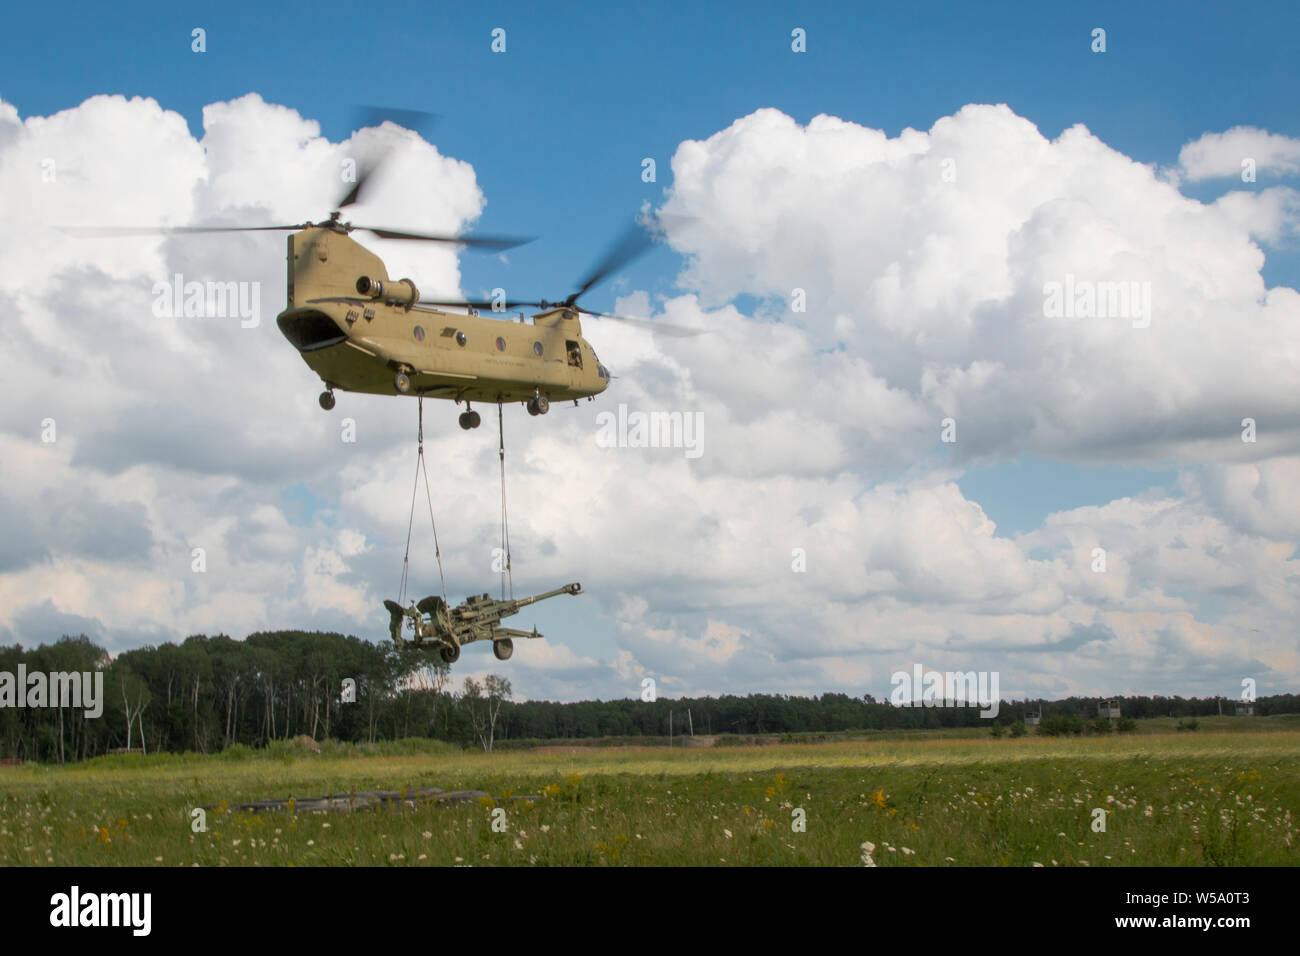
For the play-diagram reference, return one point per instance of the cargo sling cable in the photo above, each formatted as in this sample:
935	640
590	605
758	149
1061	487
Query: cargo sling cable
446	629
420	469
505	523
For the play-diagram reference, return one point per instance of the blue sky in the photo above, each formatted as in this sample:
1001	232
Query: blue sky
557	126
556	129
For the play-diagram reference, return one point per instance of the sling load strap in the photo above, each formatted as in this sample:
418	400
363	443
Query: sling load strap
420	469
505	521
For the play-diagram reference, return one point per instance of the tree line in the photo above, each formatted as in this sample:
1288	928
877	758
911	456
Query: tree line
208	693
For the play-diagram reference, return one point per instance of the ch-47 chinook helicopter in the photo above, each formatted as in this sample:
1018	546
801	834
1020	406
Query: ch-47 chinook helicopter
362	331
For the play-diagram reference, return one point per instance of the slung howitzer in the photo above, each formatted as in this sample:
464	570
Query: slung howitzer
478	619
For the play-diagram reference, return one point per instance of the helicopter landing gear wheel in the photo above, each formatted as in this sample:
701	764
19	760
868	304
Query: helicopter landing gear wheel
450	653
326	399
401	382
503	649
539	405
469	420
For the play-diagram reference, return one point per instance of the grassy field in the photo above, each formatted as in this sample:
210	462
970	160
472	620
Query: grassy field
1218	796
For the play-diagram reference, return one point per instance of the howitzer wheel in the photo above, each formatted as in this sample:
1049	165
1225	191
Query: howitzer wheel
503	649
450	653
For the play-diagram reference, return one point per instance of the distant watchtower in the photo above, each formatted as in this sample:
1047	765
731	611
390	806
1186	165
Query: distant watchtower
1245	708
1033	720
1109	709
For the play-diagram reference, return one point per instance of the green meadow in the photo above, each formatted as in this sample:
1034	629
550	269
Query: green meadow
1219	796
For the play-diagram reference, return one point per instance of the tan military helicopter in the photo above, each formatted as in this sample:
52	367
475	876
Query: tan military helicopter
362	331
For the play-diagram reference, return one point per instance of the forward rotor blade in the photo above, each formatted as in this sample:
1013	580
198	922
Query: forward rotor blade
367	116
92	231
416	120
364	173
477	242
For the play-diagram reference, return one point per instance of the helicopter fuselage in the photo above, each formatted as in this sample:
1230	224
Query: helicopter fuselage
361	331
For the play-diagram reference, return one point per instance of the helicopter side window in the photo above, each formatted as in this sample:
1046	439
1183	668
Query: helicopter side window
575	354
537	349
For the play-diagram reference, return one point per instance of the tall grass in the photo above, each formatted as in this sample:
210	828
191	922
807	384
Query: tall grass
1188	799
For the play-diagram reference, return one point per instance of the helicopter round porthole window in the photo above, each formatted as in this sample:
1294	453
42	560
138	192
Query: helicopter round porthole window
419	333
461	338
537	349
501	344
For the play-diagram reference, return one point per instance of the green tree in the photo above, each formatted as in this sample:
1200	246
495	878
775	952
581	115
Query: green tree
482	702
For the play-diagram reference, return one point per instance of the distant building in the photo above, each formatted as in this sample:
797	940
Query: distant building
1109	709
1033	720
1245	708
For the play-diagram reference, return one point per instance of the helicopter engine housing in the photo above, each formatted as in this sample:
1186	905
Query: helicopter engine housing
393	291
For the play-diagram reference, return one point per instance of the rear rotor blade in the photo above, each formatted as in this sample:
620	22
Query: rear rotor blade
632	244
667	328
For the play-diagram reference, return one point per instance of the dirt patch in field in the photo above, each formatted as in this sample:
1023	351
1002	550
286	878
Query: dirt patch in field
365	800
620	748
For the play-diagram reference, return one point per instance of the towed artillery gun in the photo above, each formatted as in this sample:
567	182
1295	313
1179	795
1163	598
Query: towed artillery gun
478	619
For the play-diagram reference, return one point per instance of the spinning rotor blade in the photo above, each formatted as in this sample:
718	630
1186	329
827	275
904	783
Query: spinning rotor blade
668	328
416	120
373	116
91	231
483	305
632	244
635	242
477	242
363	174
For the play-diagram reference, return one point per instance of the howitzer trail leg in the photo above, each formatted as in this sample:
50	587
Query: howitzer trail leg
396	615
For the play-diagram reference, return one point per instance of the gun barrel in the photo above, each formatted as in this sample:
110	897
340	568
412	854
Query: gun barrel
574	588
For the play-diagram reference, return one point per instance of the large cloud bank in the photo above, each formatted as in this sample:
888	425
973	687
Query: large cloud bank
892	283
